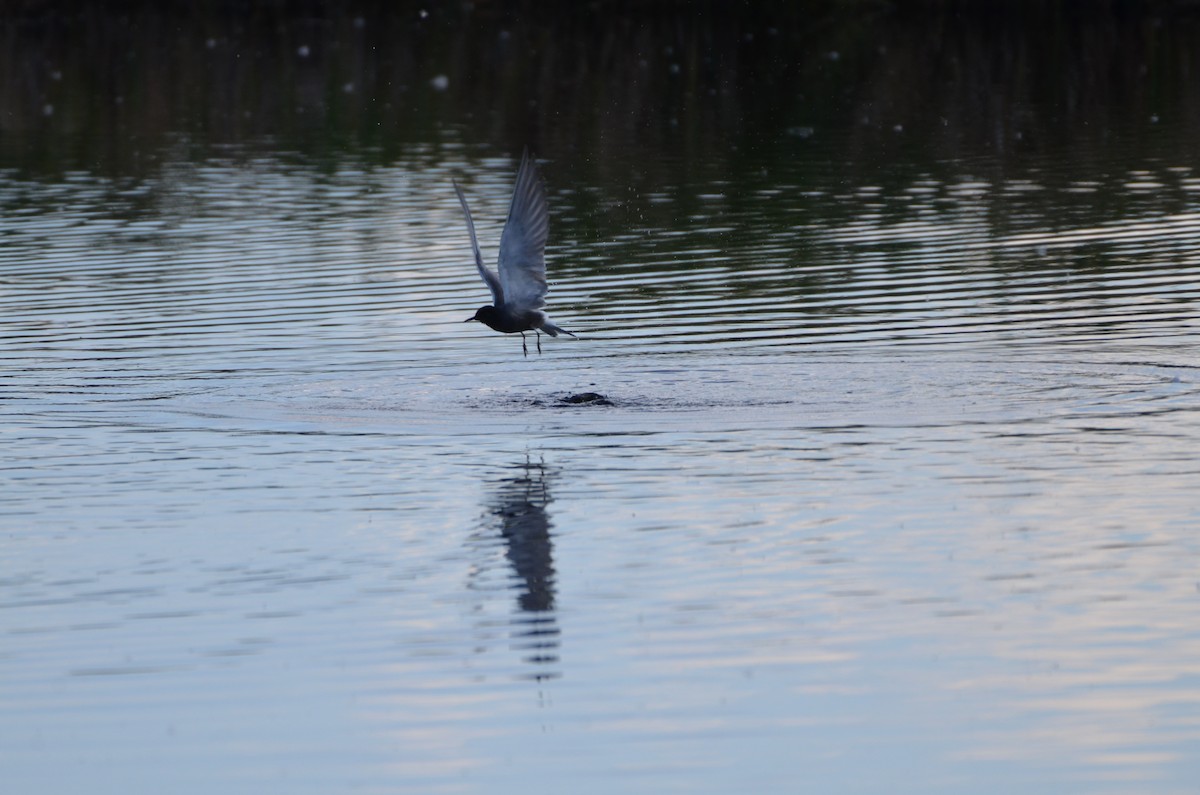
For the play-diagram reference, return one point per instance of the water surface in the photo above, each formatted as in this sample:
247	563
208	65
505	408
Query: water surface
897	481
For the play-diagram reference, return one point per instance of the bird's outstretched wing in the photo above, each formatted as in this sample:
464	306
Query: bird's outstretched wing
522	245
489	278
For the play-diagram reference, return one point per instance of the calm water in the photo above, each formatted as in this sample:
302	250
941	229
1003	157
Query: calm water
898	482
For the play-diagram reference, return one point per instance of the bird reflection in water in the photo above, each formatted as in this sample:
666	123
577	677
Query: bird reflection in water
517	509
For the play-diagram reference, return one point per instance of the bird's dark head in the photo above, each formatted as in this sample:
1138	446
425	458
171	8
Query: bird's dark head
483	315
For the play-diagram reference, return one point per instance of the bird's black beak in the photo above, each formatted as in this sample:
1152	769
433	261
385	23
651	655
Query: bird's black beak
468	320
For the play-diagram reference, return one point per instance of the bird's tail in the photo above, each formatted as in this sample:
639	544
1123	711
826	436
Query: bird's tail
554	330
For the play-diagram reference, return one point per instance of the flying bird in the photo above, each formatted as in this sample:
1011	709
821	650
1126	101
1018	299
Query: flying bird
519	288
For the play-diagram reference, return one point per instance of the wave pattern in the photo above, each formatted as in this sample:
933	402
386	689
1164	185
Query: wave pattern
246	431
260	266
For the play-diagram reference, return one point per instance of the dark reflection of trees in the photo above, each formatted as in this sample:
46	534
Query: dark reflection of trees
101	86
517	508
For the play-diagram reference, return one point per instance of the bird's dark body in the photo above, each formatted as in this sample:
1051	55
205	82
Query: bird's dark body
506	322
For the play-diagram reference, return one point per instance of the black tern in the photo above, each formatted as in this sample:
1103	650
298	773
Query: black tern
519	291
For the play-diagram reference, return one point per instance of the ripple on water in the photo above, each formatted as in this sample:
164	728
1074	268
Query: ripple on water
858	453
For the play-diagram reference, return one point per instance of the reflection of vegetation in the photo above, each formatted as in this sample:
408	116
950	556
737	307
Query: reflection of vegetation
85	86
780	112
743	161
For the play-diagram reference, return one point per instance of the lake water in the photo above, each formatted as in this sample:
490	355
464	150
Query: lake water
896	480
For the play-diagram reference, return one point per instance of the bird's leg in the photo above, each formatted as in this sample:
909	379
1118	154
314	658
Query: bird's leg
539	339
524	350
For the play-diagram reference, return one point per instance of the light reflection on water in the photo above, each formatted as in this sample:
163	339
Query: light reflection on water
891	481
